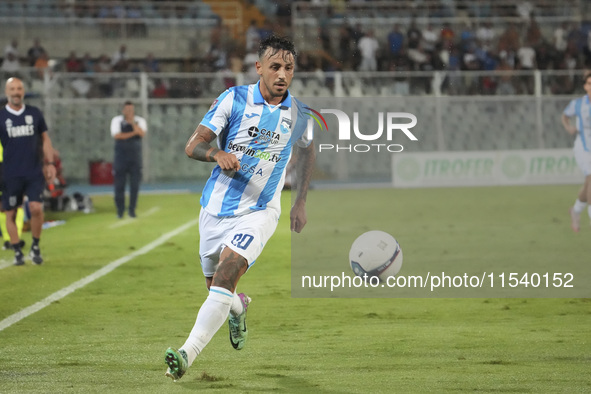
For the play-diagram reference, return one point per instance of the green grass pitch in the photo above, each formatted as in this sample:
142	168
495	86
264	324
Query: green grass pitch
110	335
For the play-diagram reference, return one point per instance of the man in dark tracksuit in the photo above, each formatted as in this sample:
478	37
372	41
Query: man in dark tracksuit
128	131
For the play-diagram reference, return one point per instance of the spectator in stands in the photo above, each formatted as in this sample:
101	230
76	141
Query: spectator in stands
544	58
160	89
414	35
560	38
418	58
467	38
12	47
249	63
485	36
120	59
510	40
533	34
252	37
11	65
524	9
217	58
151	65
283	13
103	67
395	42
34	52
88	65
429	39
368	47
447	35
344	47
42	65
73	64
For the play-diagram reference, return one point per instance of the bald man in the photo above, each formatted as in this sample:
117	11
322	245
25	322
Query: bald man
26	142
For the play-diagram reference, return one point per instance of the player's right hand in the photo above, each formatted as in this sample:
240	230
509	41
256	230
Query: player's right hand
227	161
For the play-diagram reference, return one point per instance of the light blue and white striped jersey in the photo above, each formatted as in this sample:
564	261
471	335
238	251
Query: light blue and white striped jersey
261	136
581	108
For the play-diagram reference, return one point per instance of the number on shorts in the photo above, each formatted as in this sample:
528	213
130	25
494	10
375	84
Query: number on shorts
242	240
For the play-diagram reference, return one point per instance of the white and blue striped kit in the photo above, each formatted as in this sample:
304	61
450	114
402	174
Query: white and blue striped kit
581	109
261	136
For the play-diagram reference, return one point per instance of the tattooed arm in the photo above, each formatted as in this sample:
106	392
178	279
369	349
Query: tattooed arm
304	167
199	148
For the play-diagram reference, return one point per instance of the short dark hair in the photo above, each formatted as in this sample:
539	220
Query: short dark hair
277	44
586	76
127	103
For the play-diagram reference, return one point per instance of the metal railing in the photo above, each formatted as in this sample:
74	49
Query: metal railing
78	109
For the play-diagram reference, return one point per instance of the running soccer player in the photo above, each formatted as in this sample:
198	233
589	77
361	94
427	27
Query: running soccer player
581	109
256	127
26	142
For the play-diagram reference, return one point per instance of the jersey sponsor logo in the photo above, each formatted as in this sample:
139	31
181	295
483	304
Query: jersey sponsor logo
247	168
252	115
28	119
264	135
256	153
19	131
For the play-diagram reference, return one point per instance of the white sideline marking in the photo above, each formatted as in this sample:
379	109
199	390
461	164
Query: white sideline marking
5	263
123	222
58	295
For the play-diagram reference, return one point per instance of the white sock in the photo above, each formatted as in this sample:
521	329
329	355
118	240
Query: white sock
237	307
212	314
579	206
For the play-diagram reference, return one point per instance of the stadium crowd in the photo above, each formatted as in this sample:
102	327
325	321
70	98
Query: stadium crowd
348	47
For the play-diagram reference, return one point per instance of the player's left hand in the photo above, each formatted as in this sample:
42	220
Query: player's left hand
298	216
50	173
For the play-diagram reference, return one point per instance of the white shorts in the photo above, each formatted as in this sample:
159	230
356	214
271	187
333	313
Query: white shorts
582	157
245	235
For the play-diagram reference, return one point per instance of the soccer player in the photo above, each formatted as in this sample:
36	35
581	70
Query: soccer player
256	127
581	108
26	142
128	129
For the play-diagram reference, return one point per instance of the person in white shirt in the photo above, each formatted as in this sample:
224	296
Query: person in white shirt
127	129
368	46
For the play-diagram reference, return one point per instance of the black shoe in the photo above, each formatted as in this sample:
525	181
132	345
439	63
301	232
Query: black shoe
35	254
132	214
19	258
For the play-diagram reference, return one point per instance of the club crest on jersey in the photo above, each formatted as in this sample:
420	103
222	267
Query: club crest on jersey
28	119
285	126
213	104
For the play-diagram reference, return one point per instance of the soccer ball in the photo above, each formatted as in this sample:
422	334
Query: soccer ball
375	253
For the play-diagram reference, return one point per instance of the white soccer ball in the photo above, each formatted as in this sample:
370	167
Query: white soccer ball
375	253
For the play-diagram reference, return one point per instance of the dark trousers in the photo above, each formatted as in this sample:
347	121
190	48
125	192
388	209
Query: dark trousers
124	168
